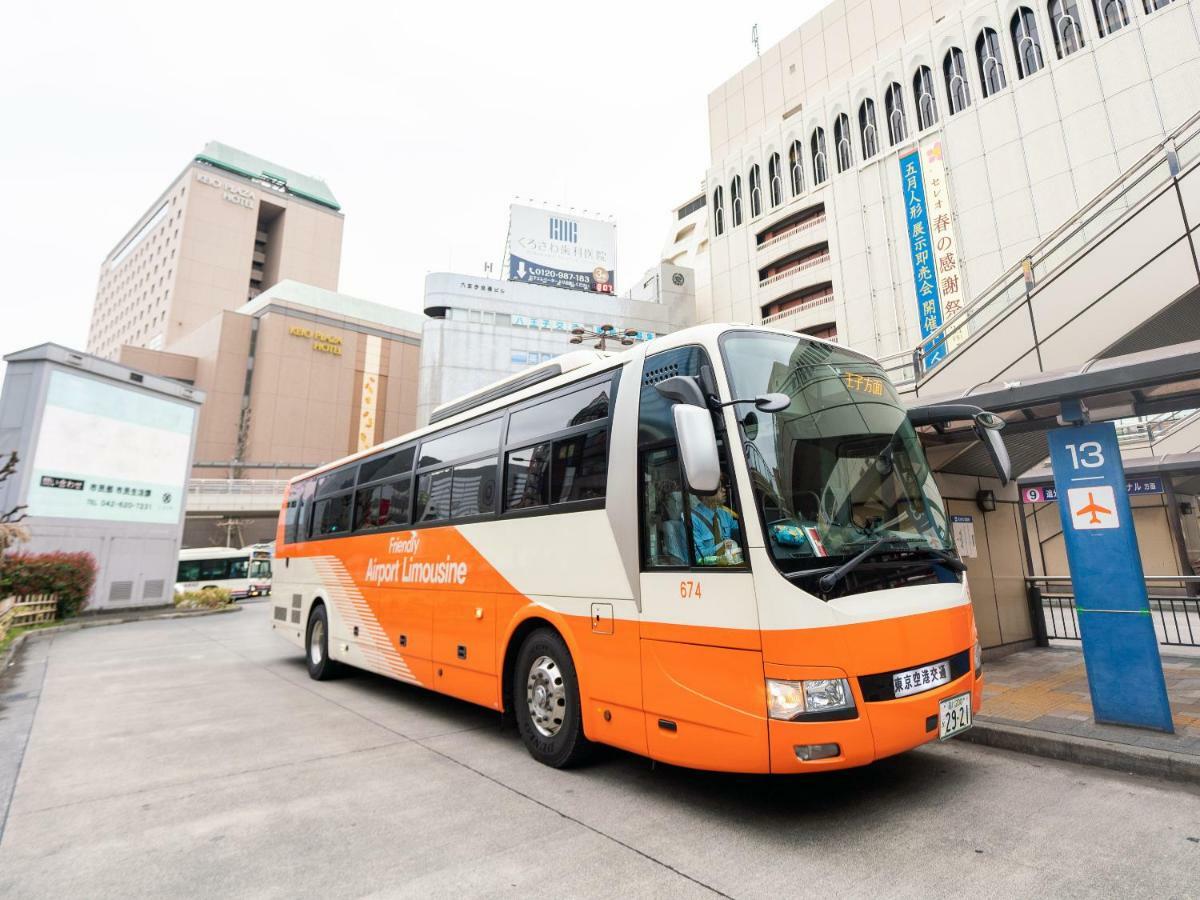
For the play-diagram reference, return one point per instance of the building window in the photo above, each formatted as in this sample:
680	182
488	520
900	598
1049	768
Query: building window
991	68
718	211
1064	22
775	179
893	106
1111	15
735	201
1151	5
1026	46
841	142
755	191
820	166
926	104
866	128
796	165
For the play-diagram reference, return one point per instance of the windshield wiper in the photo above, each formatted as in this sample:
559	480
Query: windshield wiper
951	561
827	582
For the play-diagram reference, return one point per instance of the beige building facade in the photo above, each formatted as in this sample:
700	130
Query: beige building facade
229	226
295	378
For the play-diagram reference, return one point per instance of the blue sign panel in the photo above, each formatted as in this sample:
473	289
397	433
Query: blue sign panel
1120	649
929	305
1047	493
599	280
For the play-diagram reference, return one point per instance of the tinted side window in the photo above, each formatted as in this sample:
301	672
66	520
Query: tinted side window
331	515
588	404
528	477
655	419
303	492
580	470
466	442
433	496
474	489
381	506
337	480
398	462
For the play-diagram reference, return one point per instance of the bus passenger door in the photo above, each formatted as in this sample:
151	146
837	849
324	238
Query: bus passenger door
702	670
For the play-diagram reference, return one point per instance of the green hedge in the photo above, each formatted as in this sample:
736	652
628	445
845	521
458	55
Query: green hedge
69	575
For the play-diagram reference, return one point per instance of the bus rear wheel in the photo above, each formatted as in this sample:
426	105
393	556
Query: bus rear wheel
316	647
546	701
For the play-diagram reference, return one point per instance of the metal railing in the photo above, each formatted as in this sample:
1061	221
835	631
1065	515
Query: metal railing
809	263
1057	250
260	486
1174	608
793	311
792	232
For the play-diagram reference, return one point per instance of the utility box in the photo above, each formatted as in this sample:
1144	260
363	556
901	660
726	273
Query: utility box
104	454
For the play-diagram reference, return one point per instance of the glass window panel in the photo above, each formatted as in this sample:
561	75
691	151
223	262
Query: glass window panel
474	490
528	477
398	462
580	467
433	496
382	506
338	480
331	515
664	511
586	405
466	442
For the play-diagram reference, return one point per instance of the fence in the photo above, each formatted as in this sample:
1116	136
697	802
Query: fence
1174	607
17	612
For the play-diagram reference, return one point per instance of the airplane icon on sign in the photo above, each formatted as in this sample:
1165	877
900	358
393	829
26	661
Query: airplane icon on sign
1094	508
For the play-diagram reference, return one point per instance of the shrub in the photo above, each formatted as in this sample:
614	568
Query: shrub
205	598
69	575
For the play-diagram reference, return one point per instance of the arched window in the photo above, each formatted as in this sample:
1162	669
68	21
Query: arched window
1064	22
1152	5
755	191
926	104
893	106
841	142
719	211
820	166
958	89
1027	48
774	180
796	167
866	128
991	67
1111	15
735	201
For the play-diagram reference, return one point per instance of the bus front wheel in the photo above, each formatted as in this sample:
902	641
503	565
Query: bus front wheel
316	647
546	701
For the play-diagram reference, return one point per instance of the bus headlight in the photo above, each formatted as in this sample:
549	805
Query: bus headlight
978	651
796	699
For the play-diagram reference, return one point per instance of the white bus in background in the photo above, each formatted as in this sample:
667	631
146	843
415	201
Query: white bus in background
244	572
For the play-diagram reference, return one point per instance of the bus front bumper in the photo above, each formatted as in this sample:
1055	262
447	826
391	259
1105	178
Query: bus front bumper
881	728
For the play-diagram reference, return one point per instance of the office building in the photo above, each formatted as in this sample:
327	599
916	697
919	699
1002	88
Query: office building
227	227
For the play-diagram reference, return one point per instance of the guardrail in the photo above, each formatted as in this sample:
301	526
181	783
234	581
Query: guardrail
1174	607
806	225
810	263
1057	250
793	311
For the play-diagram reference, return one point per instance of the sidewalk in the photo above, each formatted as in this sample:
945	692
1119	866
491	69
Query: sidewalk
1037	701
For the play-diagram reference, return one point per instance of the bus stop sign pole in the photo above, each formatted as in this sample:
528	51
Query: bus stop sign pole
1120	649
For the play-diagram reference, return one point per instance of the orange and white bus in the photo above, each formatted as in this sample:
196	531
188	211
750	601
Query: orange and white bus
721	549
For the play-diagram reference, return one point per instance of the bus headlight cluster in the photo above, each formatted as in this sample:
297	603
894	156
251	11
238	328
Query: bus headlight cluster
796	699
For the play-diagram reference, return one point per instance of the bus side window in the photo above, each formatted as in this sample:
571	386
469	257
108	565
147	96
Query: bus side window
664	511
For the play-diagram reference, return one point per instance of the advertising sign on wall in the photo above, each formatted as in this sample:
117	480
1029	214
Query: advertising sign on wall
916	217
109	452
944	242
549	248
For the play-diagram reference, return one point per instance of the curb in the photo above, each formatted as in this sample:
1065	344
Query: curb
1087	751
10	654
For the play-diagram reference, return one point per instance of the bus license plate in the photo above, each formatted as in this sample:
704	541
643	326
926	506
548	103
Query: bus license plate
954	715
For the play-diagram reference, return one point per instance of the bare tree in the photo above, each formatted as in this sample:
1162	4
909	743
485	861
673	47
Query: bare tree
11	529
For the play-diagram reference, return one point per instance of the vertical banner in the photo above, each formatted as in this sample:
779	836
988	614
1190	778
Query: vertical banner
916	215
1120	648
944	241
369	399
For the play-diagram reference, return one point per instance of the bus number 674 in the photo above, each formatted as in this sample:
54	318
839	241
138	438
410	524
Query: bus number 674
688	589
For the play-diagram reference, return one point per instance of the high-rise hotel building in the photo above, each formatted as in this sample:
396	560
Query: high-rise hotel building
229	226
1009	115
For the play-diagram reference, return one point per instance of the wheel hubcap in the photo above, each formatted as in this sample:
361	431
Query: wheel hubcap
315	640
546	695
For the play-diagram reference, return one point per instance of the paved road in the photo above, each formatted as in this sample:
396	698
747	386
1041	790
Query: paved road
195	757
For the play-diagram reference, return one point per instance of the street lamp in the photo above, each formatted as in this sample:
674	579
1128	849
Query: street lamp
602	335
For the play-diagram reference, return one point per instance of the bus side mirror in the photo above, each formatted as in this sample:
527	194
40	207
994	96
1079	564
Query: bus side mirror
994	443
697	447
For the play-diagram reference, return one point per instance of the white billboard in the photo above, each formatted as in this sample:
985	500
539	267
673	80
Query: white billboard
109	452
552	248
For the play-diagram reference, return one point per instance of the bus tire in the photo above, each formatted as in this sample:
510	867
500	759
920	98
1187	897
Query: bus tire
545	699
316	646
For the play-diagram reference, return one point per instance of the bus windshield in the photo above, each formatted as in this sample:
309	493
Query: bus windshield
221	569
841	468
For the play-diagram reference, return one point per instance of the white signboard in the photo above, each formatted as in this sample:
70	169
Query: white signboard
558	250
944	242
964	536
109	452
1093	507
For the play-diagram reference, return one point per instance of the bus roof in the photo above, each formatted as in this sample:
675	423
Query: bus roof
214	553
575	366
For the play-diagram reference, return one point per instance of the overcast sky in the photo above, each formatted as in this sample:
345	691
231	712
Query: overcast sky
425	119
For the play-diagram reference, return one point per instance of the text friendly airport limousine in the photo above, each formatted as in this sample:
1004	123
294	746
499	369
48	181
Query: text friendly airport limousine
721	549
